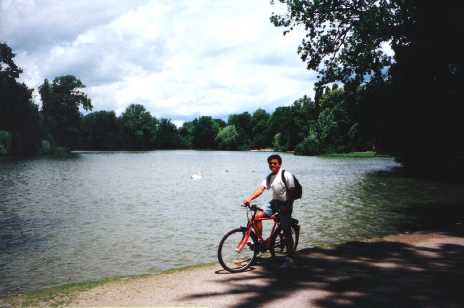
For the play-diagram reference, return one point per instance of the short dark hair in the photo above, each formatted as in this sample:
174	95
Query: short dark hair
275	156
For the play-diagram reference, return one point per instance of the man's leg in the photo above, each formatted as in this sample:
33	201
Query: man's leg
258	224
266	212
285	222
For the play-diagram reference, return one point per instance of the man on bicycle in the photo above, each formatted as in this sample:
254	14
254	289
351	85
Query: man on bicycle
281	202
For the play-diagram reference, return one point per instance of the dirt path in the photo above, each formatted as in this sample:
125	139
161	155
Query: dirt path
416	270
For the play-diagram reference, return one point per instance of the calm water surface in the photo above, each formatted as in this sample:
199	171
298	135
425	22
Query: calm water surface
97	215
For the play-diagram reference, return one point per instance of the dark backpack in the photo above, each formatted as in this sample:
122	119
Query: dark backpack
295	192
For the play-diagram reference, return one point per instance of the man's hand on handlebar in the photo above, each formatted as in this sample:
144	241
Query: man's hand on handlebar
245	203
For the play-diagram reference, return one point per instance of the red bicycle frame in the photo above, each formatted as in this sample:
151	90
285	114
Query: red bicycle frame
250	226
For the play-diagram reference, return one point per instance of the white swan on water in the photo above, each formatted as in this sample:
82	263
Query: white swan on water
196	176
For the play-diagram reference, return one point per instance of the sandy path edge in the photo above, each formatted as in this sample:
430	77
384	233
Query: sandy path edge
310	283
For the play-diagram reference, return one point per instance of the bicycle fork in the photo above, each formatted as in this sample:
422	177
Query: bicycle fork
244	240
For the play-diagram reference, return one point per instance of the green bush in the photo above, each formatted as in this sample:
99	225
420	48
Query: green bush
309	146
228	138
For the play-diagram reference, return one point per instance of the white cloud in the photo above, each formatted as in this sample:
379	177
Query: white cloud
179	58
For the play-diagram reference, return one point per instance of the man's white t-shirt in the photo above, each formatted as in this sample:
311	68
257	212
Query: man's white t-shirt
279	192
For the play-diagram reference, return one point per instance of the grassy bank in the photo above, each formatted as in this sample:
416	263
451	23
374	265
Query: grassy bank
62	295
55	296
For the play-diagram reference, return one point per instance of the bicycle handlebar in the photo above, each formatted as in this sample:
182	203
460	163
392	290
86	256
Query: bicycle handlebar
251	206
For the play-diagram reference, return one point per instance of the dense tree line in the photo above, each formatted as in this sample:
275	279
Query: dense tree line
412	97
304	127
135	129
332	125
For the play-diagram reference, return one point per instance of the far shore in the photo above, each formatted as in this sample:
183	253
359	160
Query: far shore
263	150
382	265
63	152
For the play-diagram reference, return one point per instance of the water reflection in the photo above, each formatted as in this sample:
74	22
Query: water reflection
385	202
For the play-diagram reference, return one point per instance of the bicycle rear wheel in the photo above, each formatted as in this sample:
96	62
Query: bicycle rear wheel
228	256
280	241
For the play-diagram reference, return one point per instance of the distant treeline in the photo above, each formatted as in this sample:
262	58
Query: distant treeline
334	124
304	127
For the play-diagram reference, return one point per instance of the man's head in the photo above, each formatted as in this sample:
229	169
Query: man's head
274	162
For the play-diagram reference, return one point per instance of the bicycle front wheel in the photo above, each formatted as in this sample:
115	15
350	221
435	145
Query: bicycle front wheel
230	258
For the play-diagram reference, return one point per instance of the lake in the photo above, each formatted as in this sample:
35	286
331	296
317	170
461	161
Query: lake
103	214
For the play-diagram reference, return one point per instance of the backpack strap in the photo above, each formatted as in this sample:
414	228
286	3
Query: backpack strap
268	180
284	179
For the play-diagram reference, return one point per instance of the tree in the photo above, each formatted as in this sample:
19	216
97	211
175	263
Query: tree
244	126
310	145
18	114
345	42
305	115
228	138
333	121
139	127
204	133
261	135
167	135
100	130
61	101
186	134
220	124
343	38
282	123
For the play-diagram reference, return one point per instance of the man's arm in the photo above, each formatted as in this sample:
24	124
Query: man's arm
258	192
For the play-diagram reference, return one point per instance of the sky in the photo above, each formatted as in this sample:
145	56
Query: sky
179	58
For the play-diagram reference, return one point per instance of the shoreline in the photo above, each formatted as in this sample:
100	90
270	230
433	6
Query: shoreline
83	291
61	294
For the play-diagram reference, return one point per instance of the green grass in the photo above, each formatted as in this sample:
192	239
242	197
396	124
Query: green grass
367	154
53	297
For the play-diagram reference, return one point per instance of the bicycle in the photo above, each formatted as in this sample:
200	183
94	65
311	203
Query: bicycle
239	247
